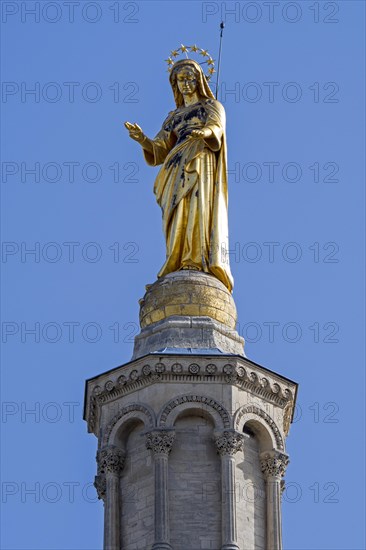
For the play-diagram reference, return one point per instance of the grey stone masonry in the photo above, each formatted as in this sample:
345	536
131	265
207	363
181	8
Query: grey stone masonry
191	452
188	332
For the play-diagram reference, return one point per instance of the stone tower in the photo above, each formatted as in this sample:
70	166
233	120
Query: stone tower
191	433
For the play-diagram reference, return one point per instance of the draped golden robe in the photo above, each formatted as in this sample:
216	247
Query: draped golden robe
191	189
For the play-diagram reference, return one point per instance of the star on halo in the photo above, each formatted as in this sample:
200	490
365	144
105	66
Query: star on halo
184	50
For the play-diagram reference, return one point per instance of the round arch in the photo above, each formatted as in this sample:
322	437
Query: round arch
124	420
206	406
262	424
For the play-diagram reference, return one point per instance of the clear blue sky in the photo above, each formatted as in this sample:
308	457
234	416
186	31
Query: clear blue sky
296	205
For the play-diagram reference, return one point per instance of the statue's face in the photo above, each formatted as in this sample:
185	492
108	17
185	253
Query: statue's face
186	80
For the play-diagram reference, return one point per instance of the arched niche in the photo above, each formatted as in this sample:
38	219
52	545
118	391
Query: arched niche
254	419
121	425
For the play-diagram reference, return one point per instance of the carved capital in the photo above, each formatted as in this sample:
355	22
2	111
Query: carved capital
100	484
160	441
110	460
229	442
273	464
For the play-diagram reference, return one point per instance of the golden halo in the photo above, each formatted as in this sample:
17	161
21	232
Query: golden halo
194	49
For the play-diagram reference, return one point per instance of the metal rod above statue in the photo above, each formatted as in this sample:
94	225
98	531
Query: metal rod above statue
222	26
191	186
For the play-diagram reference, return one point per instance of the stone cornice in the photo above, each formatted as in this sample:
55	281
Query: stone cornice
154	369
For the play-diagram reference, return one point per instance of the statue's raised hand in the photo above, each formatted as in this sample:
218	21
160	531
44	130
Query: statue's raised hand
135	132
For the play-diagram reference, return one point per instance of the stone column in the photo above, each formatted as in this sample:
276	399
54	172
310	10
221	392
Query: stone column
161	442
228	443
273	465
107	482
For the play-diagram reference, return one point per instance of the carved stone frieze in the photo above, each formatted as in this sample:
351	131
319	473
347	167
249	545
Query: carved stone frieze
237	372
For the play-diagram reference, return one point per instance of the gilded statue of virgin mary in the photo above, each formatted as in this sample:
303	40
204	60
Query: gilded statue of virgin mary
191	186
